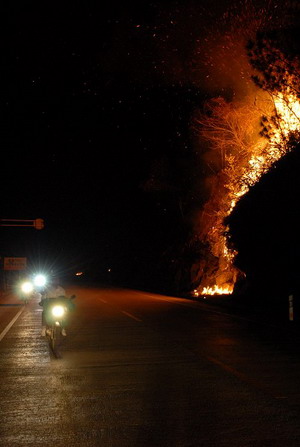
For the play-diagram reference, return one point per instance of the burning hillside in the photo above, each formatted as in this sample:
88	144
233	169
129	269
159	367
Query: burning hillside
247	137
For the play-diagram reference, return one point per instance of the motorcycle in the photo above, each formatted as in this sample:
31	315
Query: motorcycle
31	287
25	291
56	313
40	283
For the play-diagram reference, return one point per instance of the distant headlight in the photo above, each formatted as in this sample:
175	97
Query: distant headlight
58	311
27	287
40	280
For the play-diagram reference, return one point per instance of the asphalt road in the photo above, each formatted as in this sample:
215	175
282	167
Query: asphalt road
139	369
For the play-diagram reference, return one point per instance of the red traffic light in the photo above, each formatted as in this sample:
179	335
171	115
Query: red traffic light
39	224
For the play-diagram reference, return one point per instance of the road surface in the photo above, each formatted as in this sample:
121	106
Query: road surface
139	369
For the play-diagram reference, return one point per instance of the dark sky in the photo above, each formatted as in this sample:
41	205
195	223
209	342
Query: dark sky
95	134
90	114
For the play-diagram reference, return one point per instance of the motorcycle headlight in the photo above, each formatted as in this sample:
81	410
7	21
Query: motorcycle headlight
58	311
40	280
27	287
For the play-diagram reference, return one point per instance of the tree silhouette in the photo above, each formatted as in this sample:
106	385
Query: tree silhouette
275	58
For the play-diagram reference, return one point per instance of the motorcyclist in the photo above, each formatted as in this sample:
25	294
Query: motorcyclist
54	291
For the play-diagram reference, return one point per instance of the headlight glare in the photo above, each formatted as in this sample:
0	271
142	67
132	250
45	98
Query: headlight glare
40	280
27	287
58	311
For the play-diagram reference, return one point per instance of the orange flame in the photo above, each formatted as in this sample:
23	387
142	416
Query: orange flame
264	154
217	290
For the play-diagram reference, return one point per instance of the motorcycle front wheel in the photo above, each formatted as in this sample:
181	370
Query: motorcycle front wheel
53	330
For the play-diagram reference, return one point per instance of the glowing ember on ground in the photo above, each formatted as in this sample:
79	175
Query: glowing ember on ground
217	290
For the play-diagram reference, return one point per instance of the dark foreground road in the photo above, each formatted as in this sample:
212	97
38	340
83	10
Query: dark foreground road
139	369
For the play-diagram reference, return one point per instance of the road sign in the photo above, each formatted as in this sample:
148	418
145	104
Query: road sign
15	263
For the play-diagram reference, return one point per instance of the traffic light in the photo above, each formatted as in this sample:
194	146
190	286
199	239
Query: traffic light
39	224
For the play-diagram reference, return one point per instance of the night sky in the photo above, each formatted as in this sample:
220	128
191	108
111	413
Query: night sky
95	135
96	138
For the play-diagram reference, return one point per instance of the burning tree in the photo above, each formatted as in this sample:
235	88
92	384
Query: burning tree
232	130
275	57
248	137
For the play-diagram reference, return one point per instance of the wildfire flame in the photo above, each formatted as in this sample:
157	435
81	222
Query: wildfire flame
216	290
264	154
288	113
240	151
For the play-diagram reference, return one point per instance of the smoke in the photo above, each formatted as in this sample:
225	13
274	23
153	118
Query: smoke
220	63
203	45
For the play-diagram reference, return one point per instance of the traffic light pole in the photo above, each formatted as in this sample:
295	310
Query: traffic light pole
38	224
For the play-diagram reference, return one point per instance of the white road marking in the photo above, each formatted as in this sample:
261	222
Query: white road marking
130	315
4	332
